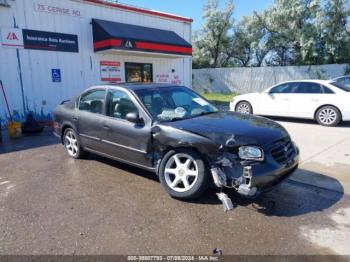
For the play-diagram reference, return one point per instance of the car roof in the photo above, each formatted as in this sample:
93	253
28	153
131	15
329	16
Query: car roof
309	81
135	86
341	77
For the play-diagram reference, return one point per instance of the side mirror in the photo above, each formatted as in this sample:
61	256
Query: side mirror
133	118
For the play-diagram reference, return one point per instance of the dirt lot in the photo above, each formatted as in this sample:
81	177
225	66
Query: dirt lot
51	204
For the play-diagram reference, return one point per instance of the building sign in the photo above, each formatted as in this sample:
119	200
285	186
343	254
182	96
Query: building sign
176	80
12	37
110	71
56	10
56	75
128	44
162	78
42	40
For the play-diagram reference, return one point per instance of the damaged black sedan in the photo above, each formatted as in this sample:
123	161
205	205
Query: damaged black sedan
178	135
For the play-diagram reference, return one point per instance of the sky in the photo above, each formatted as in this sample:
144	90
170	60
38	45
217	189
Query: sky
193	8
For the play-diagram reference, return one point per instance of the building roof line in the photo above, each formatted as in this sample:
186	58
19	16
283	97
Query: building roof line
139	10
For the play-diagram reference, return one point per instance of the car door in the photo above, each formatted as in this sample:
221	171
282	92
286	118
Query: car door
275	102
125	140
89	118
306	98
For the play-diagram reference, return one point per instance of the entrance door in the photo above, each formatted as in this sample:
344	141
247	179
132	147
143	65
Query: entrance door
137	72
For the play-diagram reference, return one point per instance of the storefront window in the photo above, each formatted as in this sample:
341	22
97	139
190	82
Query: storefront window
136	72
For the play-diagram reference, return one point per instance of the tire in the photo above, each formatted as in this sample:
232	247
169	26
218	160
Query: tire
244	108
178	166
328	116
71	143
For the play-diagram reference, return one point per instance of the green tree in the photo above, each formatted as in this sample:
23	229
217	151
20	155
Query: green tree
334	30
212	41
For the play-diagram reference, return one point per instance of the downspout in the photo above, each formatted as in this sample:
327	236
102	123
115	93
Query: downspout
20	72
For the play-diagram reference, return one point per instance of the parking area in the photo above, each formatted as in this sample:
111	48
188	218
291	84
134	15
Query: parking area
51	204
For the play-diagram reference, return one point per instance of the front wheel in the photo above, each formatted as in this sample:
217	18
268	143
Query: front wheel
183	174
328	116
72	144
244	108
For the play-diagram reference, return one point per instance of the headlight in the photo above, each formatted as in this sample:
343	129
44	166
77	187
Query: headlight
251	153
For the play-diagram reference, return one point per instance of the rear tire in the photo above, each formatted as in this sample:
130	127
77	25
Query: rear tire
72	144
244	108
183	174
328	116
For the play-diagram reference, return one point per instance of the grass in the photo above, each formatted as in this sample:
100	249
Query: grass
219	98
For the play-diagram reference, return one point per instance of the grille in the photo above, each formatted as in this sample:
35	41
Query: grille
282	150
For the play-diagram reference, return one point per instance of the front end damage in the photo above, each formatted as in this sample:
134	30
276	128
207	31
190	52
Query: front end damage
226	173
248	178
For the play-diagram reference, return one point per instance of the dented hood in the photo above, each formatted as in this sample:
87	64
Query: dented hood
246	129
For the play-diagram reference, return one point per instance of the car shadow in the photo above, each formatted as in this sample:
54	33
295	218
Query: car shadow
293	197
305	121
125	167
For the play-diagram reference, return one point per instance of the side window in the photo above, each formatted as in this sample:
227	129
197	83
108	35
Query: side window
346	81
308	88
119	104
326	90
92	101
283	89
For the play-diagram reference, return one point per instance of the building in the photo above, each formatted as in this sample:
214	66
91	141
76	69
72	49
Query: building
51	50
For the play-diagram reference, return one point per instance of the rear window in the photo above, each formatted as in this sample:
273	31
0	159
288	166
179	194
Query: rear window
340	86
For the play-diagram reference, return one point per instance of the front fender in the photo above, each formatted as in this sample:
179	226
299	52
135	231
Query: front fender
166	136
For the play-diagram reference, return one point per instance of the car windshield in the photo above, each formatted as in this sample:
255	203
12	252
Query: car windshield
174	103
341	86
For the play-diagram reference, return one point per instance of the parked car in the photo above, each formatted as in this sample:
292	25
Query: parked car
180	136
325	101
343	80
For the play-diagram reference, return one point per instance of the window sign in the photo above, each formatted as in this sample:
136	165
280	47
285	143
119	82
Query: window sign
110	71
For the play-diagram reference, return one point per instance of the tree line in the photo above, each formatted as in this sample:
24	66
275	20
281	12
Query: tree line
290	32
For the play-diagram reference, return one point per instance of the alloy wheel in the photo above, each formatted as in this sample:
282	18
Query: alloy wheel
181	172
71	144
243	108
327	116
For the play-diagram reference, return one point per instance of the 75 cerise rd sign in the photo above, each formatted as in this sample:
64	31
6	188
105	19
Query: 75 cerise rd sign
56	10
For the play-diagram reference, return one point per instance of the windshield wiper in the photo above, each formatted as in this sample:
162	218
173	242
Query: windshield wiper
176	119
206	113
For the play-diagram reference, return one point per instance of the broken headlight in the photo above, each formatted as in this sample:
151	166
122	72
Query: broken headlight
251	153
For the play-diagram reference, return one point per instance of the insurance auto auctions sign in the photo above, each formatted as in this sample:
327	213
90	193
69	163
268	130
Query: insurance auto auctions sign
50	41
39	40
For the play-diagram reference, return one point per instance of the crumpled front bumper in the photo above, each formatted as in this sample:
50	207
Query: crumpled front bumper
256	178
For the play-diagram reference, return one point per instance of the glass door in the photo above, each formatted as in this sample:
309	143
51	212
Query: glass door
138	72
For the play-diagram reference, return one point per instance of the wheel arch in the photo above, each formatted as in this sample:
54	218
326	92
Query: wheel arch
318	108
170	147
63	129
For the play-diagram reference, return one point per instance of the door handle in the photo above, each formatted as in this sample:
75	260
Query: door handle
314	100
74	118
285	99
107	127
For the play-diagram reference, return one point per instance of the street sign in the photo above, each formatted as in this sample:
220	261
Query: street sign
56	75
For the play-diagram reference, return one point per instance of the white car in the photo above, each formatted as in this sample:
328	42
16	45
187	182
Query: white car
327	102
